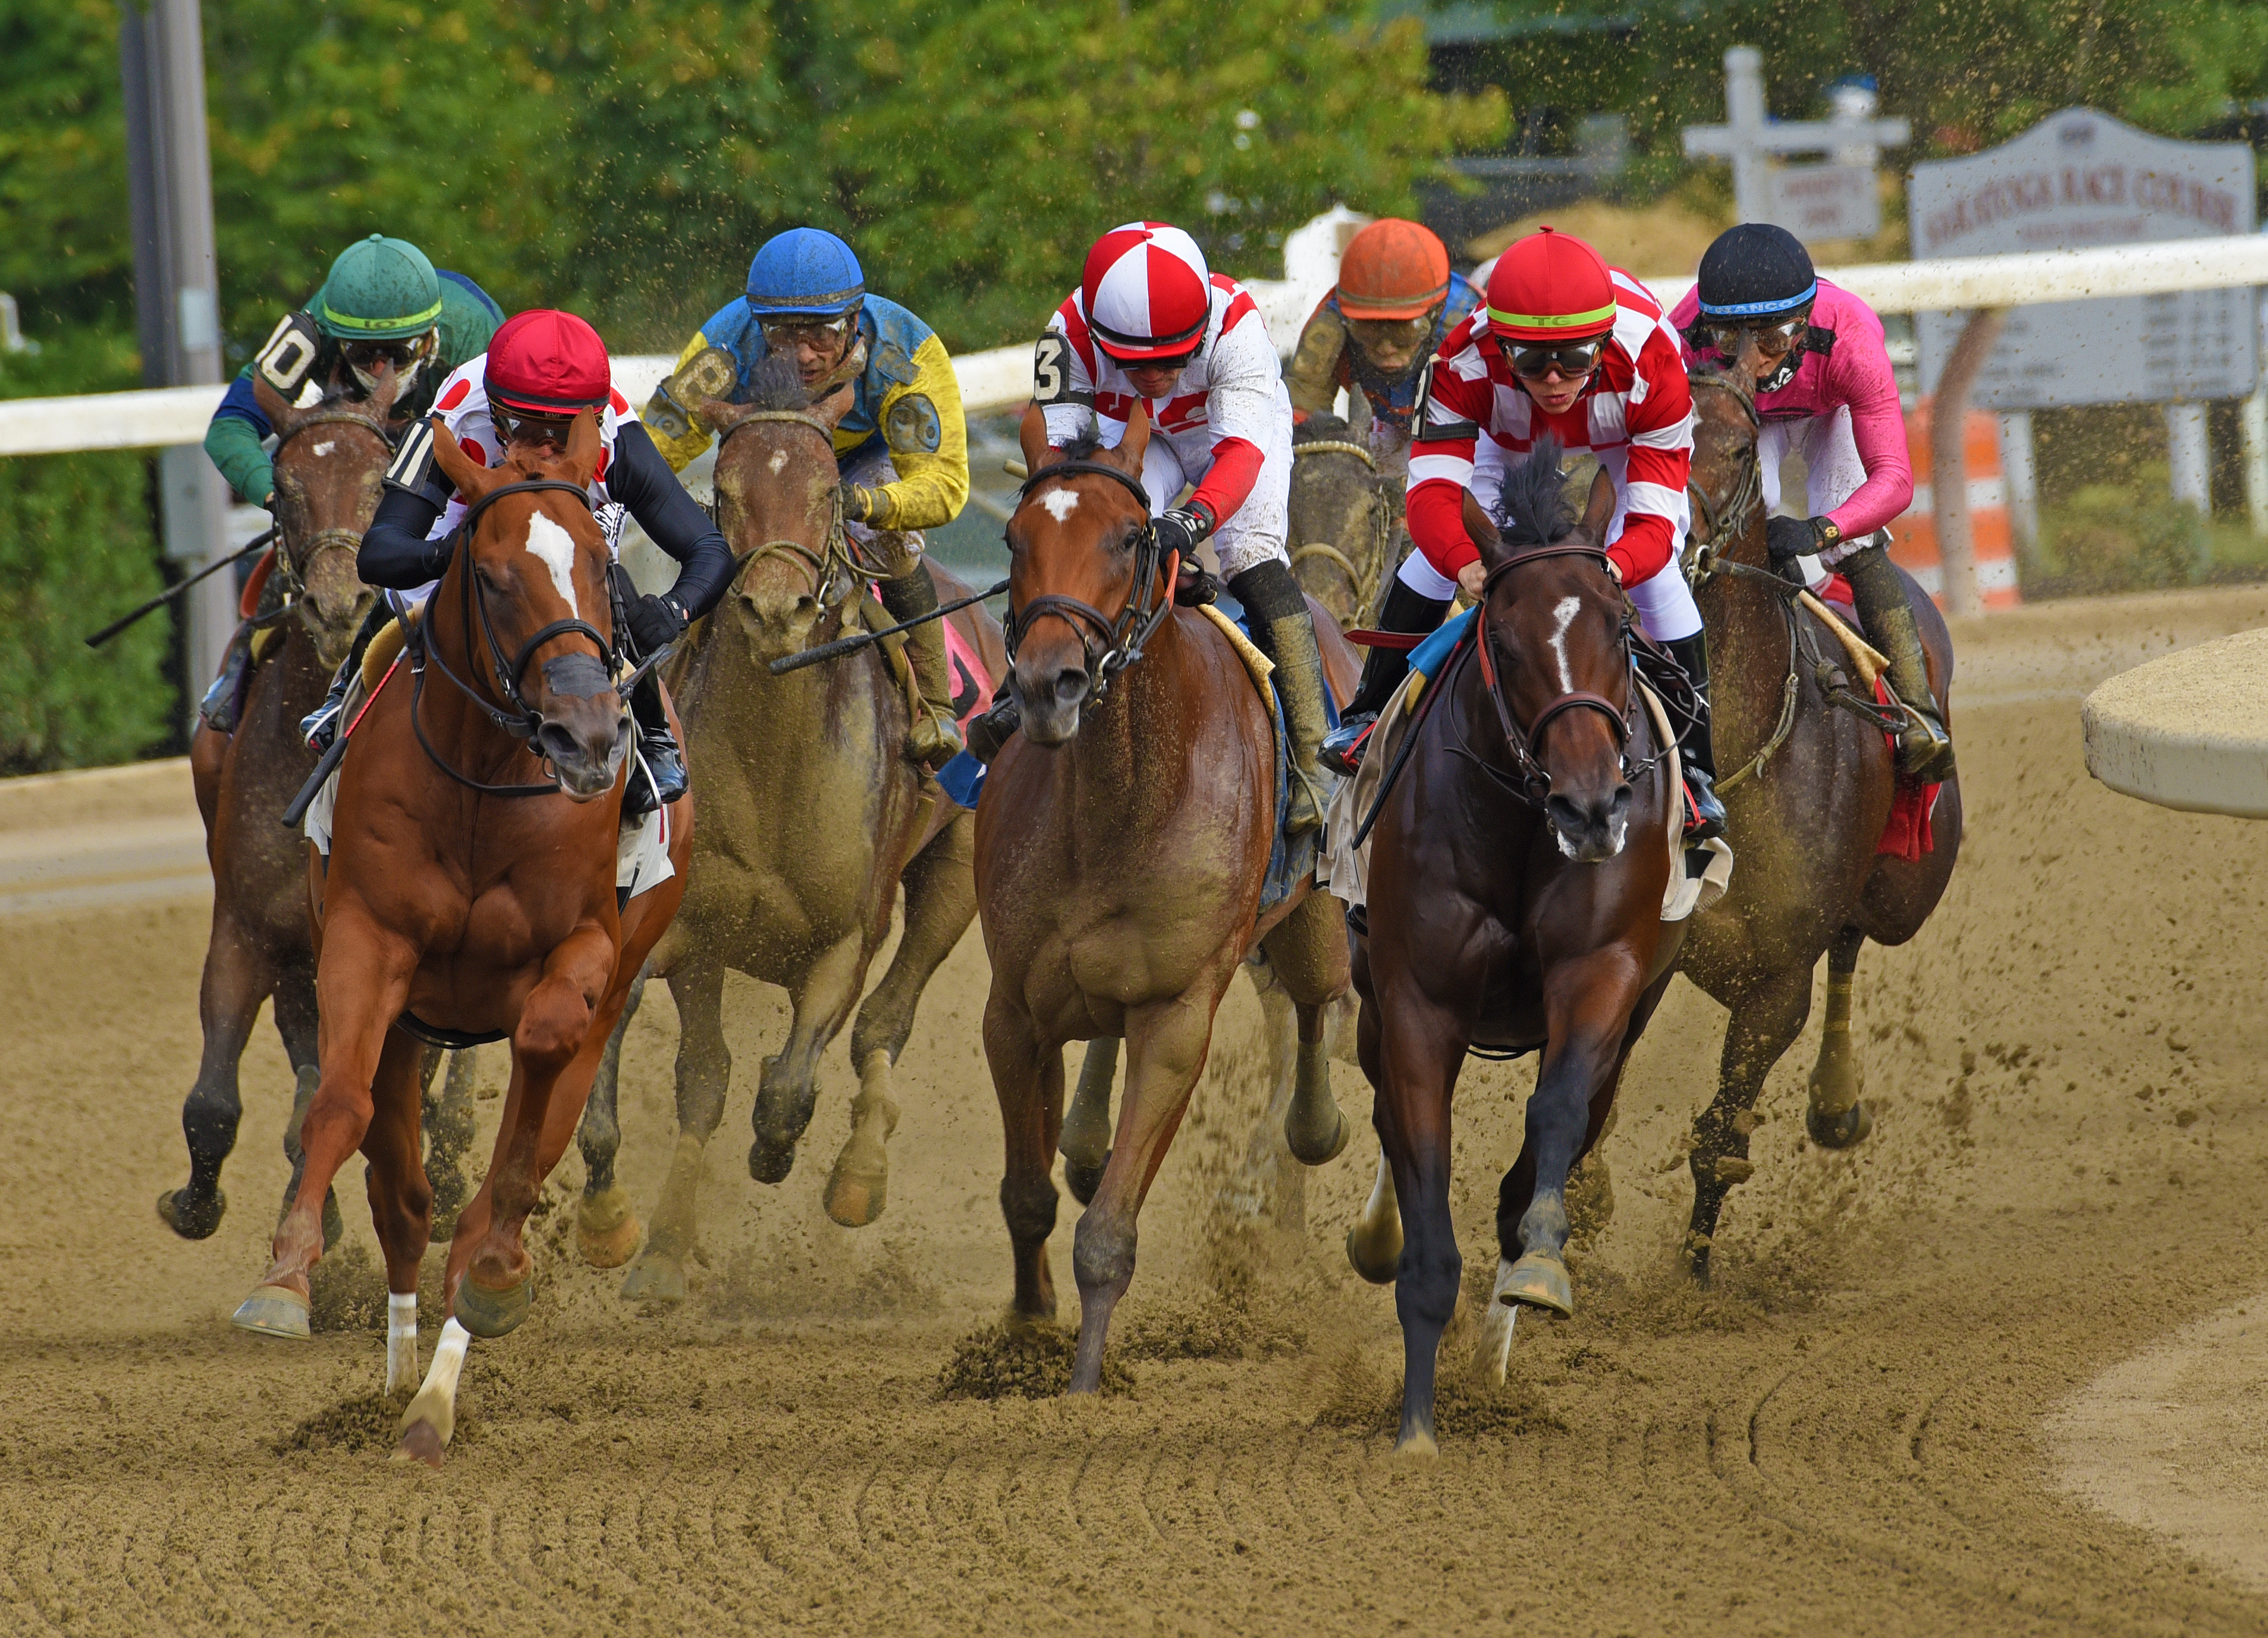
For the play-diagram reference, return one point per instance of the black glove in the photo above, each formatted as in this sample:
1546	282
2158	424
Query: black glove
655	622
1181	529
1787	539
861	504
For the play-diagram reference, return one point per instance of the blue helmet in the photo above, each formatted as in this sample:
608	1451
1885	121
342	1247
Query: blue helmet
806	270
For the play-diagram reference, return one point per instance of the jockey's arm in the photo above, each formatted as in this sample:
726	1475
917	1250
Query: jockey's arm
1660	431
928	439
1445	431
681	450
233	439
1318	363
1878	428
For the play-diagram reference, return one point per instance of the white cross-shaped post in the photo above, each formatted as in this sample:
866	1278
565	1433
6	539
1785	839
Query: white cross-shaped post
1748	139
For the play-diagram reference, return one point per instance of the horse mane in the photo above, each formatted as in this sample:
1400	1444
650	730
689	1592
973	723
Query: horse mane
1086	446
775	383
1533	510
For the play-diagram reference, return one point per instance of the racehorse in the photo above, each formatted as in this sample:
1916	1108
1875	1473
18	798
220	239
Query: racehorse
328	460
1346	532
1122	842
466	899
1516	887
811	820
1809	789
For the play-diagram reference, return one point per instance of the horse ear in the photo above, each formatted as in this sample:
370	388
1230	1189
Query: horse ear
472	480
1485	533
583	446
281	415
1032	433
1599	509
831	408
1136	443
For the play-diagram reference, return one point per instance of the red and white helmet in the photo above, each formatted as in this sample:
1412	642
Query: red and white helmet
1146	292
547	362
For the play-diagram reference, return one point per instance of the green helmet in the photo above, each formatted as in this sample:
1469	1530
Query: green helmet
381	289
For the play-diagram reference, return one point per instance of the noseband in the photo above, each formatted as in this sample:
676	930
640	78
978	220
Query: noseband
523	720
1109	644
295	570
819	567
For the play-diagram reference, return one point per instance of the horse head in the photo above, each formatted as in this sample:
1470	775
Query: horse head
1079	553
1552	619
775	503
534	564
1724	482
1341	518
330	459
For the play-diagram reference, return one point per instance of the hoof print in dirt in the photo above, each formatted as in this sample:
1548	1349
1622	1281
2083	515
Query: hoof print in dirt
1020	1361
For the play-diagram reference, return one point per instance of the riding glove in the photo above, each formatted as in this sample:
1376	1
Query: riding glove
861	504
656	621
1181	529
1786	539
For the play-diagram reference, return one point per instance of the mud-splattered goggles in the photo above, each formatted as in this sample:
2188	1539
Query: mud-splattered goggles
823	336
1536	360
1773	341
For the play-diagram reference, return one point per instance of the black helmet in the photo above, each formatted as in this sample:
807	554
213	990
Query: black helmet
1756	271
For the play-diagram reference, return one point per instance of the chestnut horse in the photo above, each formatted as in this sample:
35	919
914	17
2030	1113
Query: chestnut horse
1122	842
466	899
1515	884
1807	787
328	460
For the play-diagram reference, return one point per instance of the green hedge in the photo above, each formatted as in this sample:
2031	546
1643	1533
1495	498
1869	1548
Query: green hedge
77	550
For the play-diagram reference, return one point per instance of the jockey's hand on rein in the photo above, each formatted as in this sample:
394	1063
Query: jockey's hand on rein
1181	529
1786	539
654	621
861	504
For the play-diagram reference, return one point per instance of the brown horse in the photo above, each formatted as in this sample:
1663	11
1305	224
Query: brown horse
1516	887
468	899
1807	790
811	821
1123	841
1346	532
329	459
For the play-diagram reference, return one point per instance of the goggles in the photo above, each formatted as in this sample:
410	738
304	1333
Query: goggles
1536	359
519	426
1178	362
1773	341
406	357
820	334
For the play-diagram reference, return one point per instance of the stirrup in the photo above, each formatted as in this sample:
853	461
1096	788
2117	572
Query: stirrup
1343	747
321	726
1704	814
933	739
1925	753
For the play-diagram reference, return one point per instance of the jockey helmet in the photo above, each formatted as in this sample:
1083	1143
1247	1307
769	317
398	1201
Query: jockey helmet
1550	287
380	289
1756	271
1392	269
546	363
1146	292
806	271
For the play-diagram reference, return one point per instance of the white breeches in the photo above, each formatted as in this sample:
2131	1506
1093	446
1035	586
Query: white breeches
1830	459
1251	535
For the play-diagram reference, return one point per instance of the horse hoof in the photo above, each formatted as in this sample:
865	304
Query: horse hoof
273	1311
767	1164
1308	1152
859	1187
421	1442
1540	1280
1083	1179
607	1229
1374	1262
1839	1131
656	1279
1419	1446
487	1313
191	1222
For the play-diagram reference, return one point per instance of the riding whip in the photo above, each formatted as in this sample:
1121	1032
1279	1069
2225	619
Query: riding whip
842	646
173	591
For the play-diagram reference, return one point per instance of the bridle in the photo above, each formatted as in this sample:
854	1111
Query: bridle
834	564
294	570
1109	644
1362	578
1747	494
523	720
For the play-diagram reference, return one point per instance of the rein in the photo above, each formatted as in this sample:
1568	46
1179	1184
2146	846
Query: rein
818	566
1362	578
1121	638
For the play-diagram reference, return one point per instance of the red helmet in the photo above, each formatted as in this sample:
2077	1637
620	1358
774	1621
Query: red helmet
1551	287
1392	269
546	362
1146	292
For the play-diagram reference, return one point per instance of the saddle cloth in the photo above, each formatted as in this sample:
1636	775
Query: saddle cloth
963	778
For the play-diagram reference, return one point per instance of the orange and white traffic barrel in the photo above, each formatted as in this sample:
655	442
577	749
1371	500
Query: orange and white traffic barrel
1913	537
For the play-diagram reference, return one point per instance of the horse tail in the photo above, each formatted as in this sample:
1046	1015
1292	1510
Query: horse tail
1532	509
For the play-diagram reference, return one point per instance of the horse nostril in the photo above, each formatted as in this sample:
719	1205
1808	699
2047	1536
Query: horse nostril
1618	808
1565	814
1071	686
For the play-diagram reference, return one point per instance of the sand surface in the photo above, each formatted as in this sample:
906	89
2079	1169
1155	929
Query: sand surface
1891	1415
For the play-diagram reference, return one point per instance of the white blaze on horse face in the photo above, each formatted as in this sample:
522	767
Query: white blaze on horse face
1565	612
325	449
779	461
1061	503
554	548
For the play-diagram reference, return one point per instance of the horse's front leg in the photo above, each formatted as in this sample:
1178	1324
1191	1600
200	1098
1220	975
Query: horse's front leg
606	1229
1837	1116
1028	1078
789	1086
236	979
1308	950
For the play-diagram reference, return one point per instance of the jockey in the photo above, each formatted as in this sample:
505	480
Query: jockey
1824	388
541	370
903	450
1394	301
382	303
1569	348
1151	324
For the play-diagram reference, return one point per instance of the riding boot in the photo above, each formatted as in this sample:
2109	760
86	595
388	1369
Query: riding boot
658	778
321	726
991	730
1283	629
223	701
1383	672
933	738
1925	750
1695	746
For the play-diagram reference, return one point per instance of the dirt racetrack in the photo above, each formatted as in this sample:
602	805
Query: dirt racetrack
1854	1432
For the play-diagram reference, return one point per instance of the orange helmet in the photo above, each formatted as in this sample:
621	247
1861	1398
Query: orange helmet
1392	269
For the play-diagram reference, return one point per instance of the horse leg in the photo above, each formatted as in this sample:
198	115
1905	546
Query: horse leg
449	1138
1836	1117
1767	1019
1166	1046
1374	1244
400	1195
1085	1140
236	981
704	1070
1309	951
1028	1079
297	1023
607	1229
789	1086
940	884
1266	1184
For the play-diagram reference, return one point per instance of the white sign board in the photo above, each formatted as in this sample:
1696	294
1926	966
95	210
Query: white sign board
1817	201
2080	180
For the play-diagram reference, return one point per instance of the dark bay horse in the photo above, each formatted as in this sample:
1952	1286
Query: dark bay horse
1516	887
812	820
329	459
1122	844
470	894
1346	534
1807	785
